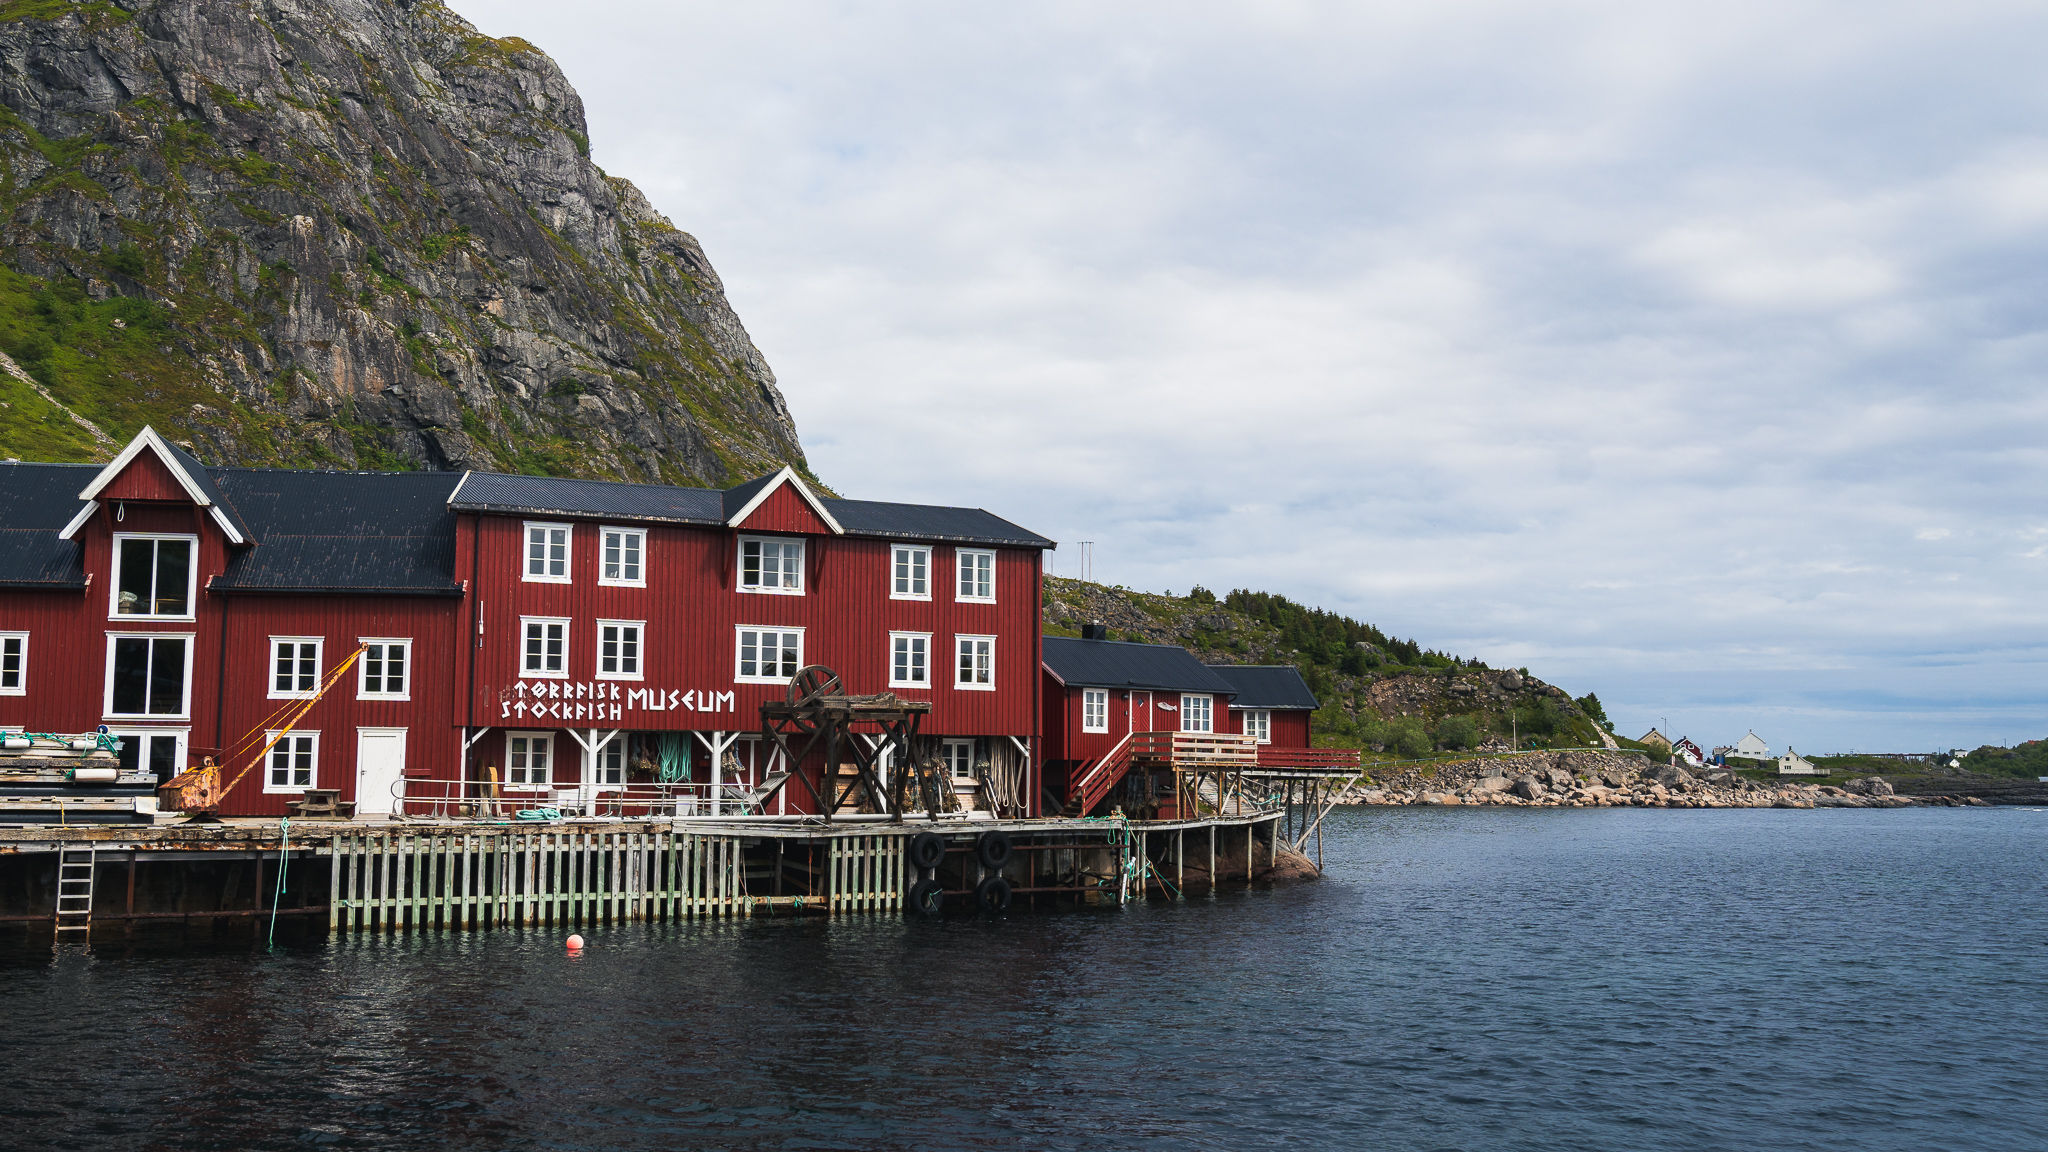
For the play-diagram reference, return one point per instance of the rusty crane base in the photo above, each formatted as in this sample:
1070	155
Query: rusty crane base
366	875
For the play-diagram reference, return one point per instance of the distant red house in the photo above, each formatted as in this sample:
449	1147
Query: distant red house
562	639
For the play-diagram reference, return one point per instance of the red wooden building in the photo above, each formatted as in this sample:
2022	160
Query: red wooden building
1112	704
562	640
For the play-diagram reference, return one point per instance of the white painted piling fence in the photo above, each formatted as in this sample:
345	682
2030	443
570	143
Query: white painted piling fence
464	878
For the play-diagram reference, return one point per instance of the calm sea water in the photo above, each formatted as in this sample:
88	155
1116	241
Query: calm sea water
1576	979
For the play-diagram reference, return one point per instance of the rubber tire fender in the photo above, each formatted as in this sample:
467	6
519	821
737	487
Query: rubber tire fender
992	894
926	850
994	850
927	897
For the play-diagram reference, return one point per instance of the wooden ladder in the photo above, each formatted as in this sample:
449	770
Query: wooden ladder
75	869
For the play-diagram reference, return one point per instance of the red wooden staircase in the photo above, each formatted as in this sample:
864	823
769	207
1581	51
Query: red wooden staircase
1093	779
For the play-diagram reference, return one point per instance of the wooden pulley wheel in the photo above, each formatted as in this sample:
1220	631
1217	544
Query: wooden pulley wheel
811	682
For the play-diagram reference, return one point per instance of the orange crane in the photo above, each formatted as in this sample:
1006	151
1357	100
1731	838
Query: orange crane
198	793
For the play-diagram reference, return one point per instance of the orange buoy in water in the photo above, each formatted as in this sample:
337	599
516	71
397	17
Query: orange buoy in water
575	943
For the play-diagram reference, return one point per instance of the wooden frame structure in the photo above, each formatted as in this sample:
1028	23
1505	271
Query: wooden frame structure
818	709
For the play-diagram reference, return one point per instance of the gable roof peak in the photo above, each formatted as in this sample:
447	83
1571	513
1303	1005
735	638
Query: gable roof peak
741	500
190	474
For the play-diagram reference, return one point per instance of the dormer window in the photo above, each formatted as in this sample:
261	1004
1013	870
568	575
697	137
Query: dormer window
771	565
154	576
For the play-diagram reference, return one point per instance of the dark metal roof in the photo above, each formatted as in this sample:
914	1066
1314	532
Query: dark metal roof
1267	686
204	478
356	532
605	499
660	504
36	501
1117	664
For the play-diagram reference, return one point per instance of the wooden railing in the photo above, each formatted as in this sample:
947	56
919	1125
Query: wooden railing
1271	757
1093	780
1195	749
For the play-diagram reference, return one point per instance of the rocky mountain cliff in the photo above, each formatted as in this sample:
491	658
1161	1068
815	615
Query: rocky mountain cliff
346	232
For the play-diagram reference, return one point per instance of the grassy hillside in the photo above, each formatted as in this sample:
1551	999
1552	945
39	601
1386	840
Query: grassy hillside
1387	695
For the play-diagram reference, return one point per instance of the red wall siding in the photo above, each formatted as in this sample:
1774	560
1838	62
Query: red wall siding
785	511
145	478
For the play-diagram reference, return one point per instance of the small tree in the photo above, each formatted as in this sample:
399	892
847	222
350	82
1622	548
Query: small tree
1458	732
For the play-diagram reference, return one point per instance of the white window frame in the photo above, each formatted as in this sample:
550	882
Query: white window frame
526	622
961	560
363	668
739	644
967	685
1261	718
913	554
312	738
740	565
185	703
604	543
1201	704
114	577
1095	700
526	572
20	640
547	781
319	644
911	640
596	781
639	671
947	749
180	753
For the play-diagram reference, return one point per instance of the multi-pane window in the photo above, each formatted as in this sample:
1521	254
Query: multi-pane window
611	764
1258	724
293	762
909	654
909	572
294	666
770	654
547	553
162	752
1094	710
771	565
620	556
618	649
385	665
153	575
13	663
959	758
976	666
529	760
147	675
1195	714
977	574
545	647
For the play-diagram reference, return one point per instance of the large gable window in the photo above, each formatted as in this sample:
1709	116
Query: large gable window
154	576
149	675
771	565
547	553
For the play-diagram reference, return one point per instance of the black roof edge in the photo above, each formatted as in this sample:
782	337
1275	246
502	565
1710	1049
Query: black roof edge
44	585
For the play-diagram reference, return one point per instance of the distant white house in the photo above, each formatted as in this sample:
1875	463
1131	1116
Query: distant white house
1793	764
1751	747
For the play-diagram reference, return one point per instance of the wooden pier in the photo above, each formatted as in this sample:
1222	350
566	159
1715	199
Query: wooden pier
421	875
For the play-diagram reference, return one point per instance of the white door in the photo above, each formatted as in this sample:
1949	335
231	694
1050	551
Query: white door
380	765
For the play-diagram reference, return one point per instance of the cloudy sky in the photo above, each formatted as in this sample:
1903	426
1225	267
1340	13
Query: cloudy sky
1688	354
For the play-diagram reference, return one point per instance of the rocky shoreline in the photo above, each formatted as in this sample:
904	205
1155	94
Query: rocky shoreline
1598	780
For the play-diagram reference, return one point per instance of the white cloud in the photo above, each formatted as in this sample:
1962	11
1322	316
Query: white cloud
1647	346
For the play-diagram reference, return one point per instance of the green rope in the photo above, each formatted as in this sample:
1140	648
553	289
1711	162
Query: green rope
674	759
